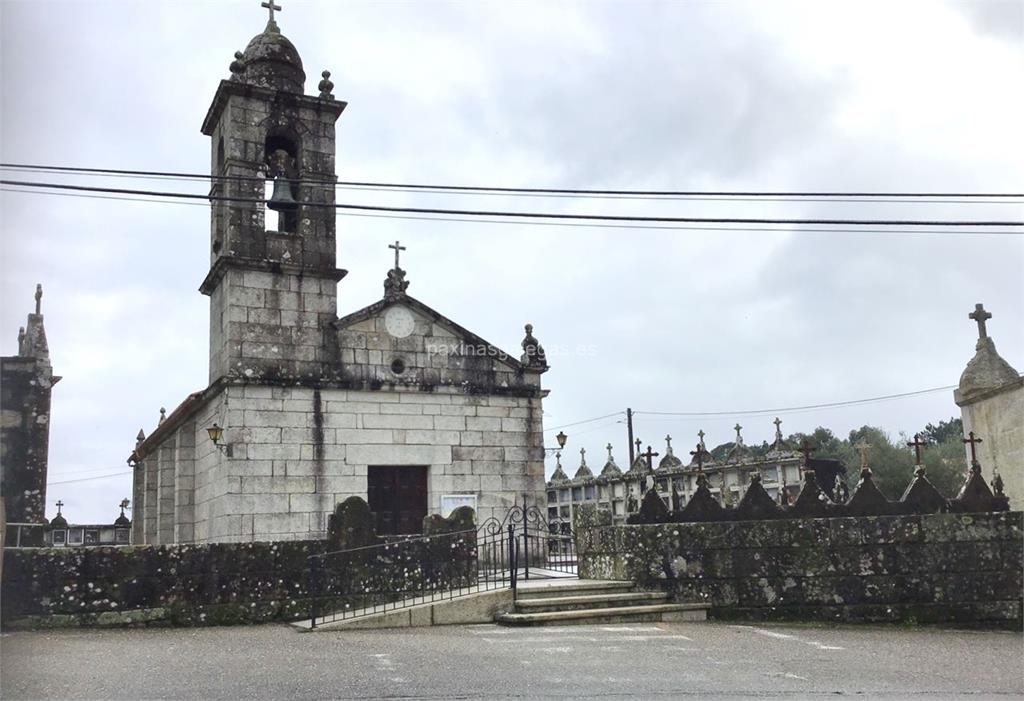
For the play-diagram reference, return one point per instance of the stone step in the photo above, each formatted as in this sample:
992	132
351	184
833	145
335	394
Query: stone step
556	588
589	601
622	614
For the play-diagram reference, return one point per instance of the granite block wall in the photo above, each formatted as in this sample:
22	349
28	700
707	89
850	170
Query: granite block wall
225	583
935	568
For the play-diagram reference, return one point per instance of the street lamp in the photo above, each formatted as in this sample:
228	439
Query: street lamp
561	438
215	433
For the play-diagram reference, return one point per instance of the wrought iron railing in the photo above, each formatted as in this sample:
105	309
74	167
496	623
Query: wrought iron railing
347	584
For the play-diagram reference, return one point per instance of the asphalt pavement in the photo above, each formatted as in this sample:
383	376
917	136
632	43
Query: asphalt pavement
487	661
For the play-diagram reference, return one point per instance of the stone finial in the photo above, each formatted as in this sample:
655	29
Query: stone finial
558	476
326	86
395	284
584	471
670	461
163	416
986	370
533	352
237	66
610	468
39	299
21	340
997	485
140	437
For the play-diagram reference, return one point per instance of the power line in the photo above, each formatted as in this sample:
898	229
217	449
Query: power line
88	479
527	215
782	410
917	198
525	190
832	230
585	421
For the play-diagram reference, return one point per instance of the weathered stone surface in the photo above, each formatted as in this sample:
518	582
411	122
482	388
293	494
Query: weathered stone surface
351	525
952	568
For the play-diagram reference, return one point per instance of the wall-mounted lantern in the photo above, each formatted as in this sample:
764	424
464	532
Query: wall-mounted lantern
215	433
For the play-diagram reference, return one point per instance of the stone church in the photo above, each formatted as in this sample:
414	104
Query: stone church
395	402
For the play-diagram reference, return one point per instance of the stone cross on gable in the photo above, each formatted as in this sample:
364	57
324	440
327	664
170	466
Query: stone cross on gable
271	7
558	458
917	444
778	427
59	505
398	247
583	456
981	316
668	442
700	435
739	438
637	443
609	449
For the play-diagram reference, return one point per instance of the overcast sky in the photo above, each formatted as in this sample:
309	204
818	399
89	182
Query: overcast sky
676	95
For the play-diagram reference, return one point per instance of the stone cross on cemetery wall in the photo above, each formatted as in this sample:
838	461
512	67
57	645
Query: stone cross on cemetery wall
917	444
981	316
971	441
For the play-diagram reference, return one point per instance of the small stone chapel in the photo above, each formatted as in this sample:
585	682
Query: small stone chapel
394	403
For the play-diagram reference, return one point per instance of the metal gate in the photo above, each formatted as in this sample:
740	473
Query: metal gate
357	582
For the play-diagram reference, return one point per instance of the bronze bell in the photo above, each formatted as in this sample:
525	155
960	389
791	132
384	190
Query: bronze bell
281	199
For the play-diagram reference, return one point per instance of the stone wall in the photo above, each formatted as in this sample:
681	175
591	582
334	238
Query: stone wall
191	585
934	568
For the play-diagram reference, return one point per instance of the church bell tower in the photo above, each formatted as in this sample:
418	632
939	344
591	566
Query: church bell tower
273	275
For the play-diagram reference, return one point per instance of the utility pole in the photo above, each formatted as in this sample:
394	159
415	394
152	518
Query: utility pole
629	428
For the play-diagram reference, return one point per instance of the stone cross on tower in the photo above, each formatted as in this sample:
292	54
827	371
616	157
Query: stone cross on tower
981	316
271	7
39	299
398	247
917	444
971	441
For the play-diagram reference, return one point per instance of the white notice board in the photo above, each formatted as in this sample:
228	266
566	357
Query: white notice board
450	502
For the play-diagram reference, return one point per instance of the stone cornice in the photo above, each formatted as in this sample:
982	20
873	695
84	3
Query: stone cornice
963	399
228	88
222	264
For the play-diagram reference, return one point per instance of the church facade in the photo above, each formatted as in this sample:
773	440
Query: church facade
395	403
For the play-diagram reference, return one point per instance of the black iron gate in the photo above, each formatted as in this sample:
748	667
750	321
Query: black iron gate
346	584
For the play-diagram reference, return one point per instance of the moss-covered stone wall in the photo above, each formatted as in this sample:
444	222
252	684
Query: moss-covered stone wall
936	568
215	584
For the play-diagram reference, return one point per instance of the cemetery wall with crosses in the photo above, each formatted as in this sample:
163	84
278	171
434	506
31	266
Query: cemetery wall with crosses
923	559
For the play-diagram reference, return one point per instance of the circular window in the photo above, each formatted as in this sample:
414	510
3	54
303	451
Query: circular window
398	366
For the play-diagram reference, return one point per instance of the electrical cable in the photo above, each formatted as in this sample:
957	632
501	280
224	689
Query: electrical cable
531	215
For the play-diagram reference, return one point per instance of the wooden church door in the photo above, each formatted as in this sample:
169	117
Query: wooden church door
397	496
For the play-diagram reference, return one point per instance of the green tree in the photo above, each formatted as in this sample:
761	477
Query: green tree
944	431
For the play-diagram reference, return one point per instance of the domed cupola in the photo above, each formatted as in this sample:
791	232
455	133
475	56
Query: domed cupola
272	61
